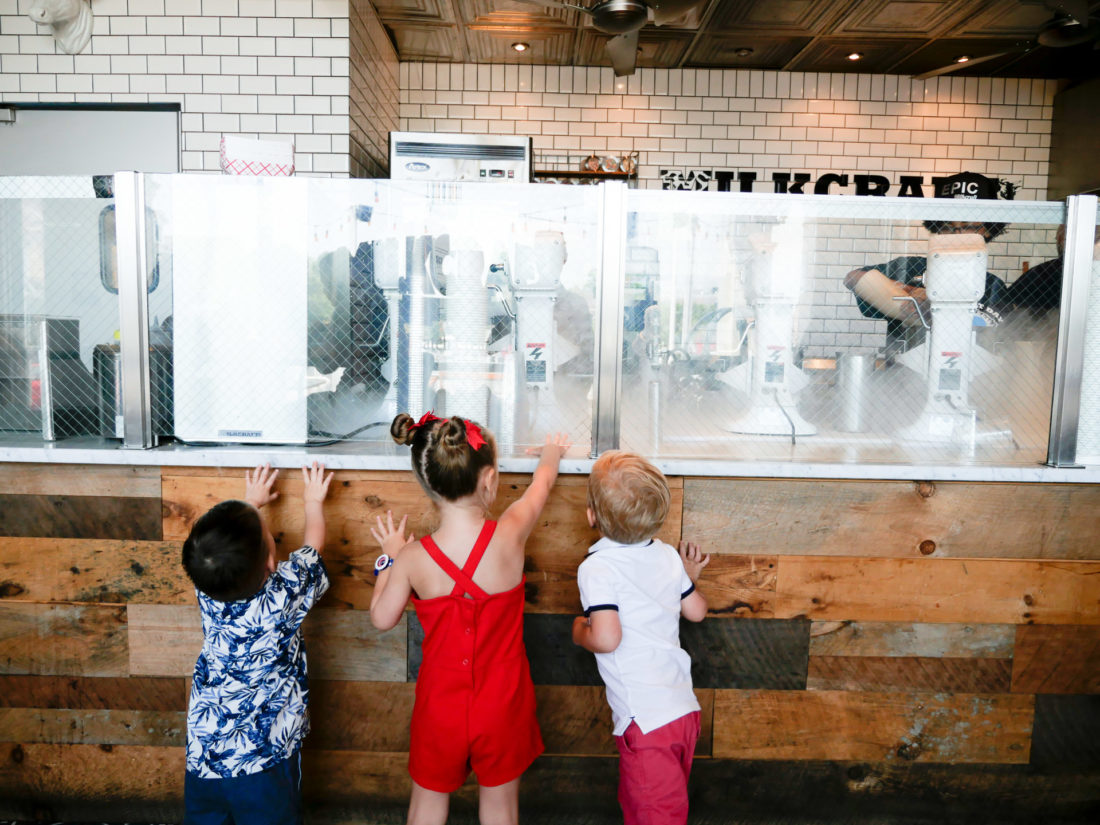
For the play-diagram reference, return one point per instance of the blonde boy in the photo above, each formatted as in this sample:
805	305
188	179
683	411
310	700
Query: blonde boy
634	588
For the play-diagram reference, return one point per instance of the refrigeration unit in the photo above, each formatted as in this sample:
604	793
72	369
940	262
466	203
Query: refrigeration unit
240	305
429	156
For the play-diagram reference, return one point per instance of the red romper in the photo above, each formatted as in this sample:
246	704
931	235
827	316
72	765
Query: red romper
475	702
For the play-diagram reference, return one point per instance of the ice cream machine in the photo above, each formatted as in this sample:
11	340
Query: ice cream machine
473	329
950	358
769	376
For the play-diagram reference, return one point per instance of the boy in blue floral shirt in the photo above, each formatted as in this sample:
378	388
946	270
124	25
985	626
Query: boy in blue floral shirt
247	716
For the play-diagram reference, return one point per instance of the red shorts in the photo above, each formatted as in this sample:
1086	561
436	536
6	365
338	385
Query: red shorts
654	769
492	731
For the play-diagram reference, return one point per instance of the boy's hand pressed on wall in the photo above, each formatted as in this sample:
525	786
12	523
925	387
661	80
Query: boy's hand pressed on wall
390	538
316	482
694	560
258	484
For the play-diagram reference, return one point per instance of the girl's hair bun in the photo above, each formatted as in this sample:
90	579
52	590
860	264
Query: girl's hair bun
401	429
452	433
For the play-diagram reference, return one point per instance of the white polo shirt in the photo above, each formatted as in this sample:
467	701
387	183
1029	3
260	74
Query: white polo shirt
648	676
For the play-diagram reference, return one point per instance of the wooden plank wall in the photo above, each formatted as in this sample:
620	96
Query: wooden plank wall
884	649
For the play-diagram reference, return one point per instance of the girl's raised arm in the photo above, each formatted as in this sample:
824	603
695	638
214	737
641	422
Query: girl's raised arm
522	514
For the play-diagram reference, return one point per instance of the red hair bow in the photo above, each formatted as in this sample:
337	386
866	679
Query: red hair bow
426	418
473	431
473	435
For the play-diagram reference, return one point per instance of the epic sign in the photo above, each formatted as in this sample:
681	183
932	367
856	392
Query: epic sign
795	183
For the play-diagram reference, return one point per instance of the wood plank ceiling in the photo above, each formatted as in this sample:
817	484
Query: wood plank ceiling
893	36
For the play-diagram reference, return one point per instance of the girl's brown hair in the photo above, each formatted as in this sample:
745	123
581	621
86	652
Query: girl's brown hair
445	463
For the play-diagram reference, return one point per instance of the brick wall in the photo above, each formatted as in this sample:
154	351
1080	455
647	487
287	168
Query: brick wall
276	69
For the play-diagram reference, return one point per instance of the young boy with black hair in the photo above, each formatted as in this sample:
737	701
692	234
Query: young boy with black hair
247	715
634	589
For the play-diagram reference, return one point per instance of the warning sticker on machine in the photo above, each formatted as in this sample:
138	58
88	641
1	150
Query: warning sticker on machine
535	363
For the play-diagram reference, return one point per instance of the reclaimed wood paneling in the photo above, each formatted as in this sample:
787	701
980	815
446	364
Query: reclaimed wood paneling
939	590
93	727
892	518
77	640
353	505
1051	659
79	480
359	716
165	640
576	720
879	793
103	693
87	517
909	673
92	782
769	654
345	778
852	725
555	660
1067	732
93	570
342	644
956	641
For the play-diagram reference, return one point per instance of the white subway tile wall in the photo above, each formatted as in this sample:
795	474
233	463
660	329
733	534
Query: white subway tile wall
275	69
769	123
763	121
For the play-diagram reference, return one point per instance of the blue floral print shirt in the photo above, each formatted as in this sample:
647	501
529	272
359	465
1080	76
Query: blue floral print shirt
250	692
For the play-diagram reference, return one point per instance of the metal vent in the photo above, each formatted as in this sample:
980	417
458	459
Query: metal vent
460	150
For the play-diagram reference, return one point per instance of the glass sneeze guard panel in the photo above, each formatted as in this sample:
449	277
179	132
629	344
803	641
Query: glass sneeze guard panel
58	323
750	326
308	311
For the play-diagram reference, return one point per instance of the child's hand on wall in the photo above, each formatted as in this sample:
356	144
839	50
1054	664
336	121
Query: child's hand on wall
390	538
317	483
694	560
258	484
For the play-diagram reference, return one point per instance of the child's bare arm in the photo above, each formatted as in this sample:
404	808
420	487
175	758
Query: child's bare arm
693	607
391	587
599	633
523	514
258	484
316	488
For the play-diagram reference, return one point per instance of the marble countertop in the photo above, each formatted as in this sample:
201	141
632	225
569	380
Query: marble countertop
374	456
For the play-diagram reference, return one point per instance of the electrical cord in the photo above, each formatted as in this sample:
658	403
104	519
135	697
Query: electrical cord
332	439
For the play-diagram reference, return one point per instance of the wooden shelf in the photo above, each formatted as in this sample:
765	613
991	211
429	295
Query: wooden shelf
581	173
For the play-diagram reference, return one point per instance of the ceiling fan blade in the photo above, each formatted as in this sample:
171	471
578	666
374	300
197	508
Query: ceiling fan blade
954	67
623	51
669	11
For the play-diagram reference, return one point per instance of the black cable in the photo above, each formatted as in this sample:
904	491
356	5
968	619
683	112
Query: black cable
333	439
336	439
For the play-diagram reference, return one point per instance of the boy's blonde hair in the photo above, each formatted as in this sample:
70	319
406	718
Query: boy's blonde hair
628	496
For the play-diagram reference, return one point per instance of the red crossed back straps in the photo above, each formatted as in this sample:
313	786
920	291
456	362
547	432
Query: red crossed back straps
464	582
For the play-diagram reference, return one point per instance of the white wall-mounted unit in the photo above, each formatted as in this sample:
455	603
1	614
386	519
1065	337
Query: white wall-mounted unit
450	157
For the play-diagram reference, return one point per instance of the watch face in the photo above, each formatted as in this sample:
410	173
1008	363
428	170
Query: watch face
381	563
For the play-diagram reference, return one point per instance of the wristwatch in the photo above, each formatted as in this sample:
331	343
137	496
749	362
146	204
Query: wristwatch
381	563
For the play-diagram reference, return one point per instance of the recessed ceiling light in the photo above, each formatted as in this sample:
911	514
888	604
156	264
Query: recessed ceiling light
962	58
855	56
521	47
742	52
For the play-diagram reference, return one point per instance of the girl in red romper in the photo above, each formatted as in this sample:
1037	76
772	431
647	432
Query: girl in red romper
475	703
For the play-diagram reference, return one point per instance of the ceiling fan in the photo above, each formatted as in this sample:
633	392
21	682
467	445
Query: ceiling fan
1071	25
624	19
